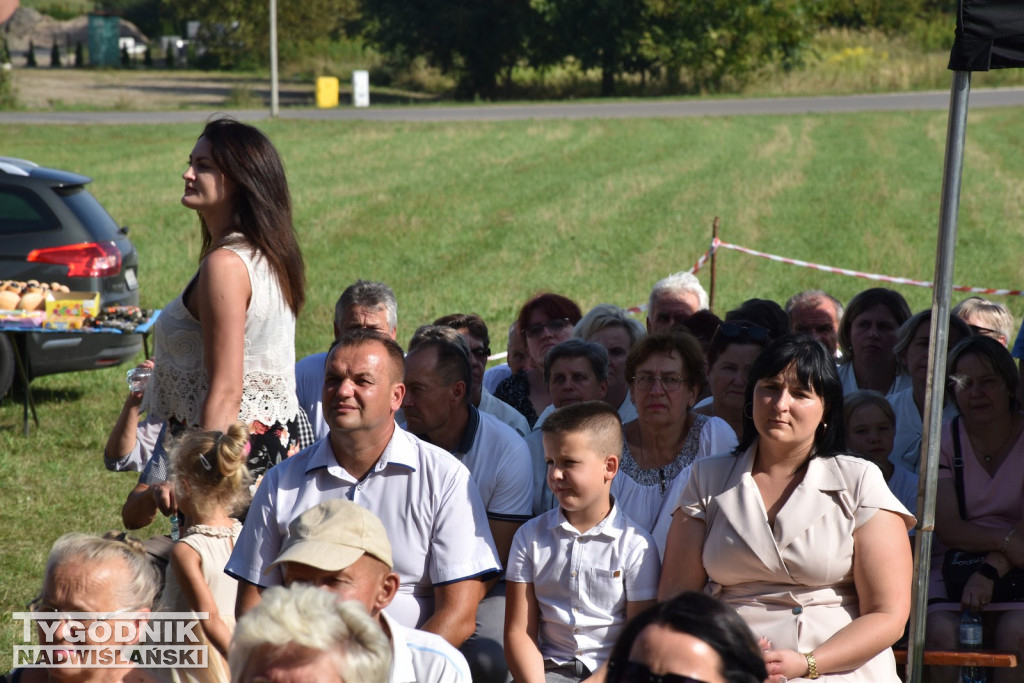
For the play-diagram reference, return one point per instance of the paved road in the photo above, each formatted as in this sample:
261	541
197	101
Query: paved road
936	100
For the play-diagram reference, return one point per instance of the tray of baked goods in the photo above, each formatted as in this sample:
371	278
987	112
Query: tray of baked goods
53	306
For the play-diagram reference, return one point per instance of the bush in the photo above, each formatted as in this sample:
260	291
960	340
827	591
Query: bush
8	97
55	56
934	34
31	54
147	59
324	57
79	55
60	11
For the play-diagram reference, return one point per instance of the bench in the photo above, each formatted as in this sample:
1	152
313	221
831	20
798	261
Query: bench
986	658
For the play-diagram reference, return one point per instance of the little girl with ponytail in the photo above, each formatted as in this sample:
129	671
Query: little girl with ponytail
211	485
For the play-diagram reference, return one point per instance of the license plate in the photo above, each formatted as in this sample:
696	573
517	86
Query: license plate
130	279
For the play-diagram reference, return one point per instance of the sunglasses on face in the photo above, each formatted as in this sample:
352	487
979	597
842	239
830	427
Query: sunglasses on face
481	352
632	672
978	329
755	332
555	326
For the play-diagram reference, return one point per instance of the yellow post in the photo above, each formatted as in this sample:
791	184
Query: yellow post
327	92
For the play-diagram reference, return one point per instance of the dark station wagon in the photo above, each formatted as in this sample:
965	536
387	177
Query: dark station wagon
53	230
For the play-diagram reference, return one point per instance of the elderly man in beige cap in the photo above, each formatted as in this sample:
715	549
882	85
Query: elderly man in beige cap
342	547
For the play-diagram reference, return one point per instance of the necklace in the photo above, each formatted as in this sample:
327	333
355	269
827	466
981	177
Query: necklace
1001	448
665	473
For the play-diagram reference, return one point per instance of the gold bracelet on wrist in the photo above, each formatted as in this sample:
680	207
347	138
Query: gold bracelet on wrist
1006	541
812	666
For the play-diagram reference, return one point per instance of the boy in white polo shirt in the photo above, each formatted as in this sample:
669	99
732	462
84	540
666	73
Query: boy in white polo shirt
578	573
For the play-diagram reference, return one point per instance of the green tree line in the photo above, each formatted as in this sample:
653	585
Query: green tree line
686	45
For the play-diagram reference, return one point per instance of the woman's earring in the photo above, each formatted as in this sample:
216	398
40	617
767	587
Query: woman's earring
748	411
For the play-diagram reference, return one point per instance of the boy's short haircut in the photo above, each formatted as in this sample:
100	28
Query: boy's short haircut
598	420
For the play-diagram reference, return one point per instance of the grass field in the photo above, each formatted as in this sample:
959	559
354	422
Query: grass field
477	216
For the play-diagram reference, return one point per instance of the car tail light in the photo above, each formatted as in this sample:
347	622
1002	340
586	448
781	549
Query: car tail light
90	259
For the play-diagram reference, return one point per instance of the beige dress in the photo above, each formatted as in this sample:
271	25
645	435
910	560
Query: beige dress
794	583
214	545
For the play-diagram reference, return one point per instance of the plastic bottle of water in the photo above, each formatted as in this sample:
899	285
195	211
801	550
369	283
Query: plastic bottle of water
970	639
176	536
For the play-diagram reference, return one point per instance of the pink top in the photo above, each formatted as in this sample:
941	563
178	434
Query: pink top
992	501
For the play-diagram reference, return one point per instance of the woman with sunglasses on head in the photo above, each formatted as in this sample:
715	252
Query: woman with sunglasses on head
666	372
691	638
807	544
733	349
544	321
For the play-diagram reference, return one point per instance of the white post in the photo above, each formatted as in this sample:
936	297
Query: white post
361	88
949	208
273	60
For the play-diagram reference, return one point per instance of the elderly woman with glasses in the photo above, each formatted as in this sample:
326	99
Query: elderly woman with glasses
110	582
544	321
733	349
989	318
666	372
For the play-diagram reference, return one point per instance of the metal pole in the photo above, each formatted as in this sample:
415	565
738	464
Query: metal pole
956	135
273	60
714	266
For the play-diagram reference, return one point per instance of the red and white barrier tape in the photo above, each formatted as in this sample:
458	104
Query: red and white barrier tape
717	244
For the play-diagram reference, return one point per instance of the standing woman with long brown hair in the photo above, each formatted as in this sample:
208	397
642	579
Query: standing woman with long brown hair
225	348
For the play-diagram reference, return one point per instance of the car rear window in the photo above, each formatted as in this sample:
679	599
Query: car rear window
90	213
22	211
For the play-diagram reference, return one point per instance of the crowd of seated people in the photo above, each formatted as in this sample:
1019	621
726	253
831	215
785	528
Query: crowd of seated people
508	523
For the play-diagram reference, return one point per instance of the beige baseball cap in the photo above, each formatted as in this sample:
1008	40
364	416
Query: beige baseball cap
333	535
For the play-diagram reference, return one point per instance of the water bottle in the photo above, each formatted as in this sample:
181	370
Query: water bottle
138	378
176	531
970	639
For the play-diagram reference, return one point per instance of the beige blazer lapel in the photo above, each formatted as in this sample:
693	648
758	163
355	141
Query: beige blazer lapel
740	503
817	495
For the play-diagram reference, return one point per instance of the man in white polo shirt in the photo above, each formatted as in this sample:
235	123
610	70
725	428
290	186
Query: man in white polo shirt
437	408
343	548
424	496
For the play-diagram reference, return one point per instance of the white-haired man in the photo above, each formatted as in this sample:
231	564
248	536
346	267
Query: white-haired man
304	634
673	300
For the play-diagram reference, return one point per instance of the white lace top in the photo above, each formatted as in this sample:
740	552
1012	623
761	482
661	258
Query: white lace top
179	381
